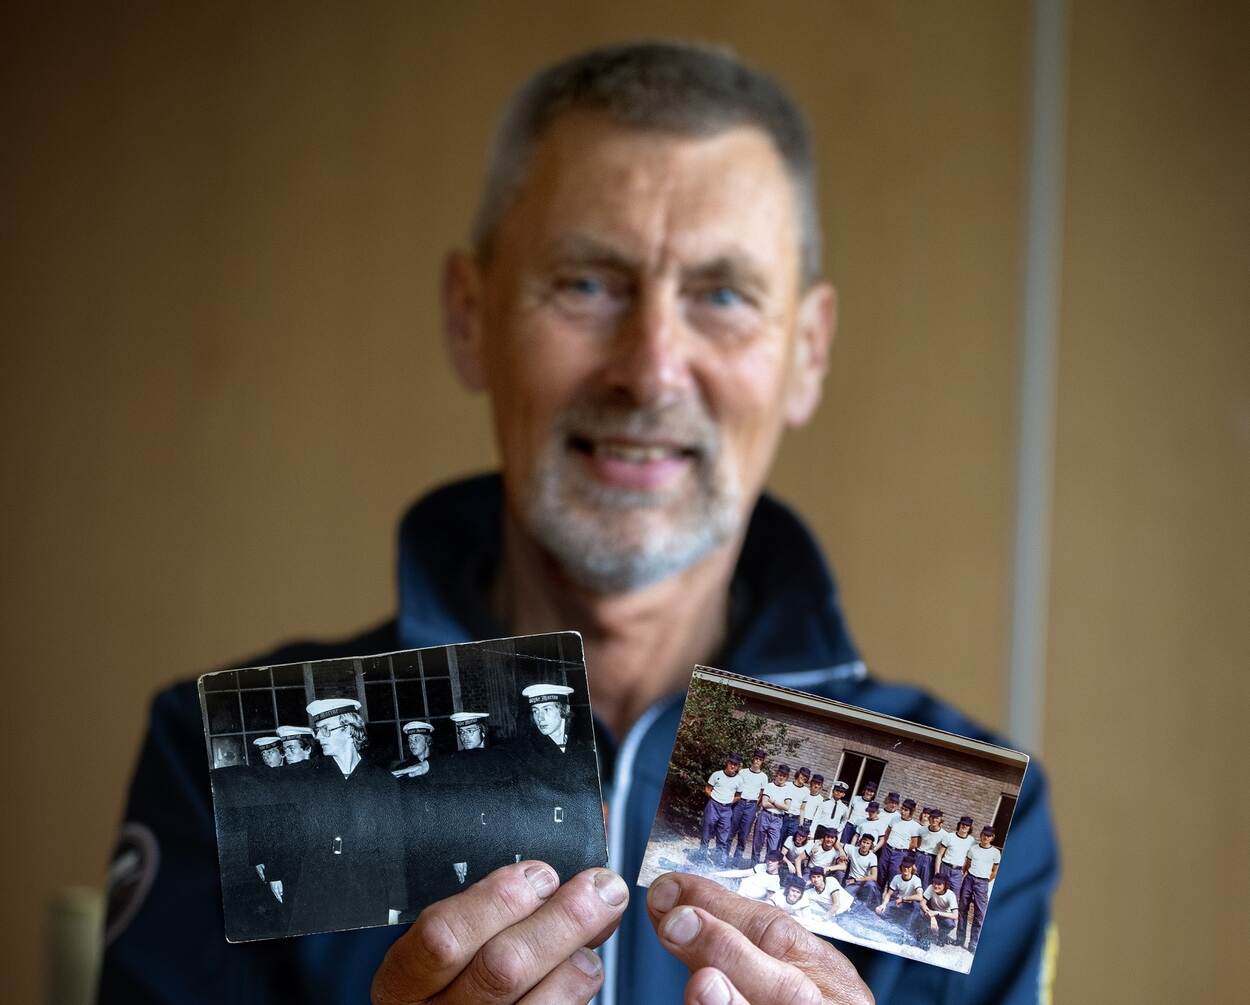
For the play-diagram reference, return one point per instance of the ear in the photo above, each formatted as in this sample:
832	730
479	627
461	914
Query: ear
462	318
817	321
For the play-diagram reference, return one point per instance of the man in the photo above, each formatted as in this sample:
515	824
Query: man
551	712
980	870
826	895
793	895
795	851
643	305
763	879
835	811
901	839
417	736
903	896
799	794
956	854
723	792
929	849
751	783
297	743
859	811
941	909
861	873
813	802
828	856
270	748
873	827
470	729
774	801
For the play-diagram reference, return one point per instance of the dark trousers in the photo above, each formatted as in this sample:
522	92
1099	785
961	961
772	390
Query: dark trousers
789	826
907	916
888	861
848	831
924	868
954	878
926	936
740	825
865	892
717	818
974	893
767	834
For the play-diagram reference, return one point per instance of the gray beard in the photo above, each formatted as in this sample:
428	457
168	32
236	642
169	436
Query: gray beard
585	527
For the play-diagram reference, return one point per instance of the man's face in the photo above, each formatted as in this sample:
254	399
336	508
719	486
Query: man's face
870	794
939	885
779	778
640	328
731	768
272	756
907	870
817	788
865	846
547	717
873	814
793	894
891	806
757	764
905	813
294	751
773	866
419	745
800	839
963	829
985	840
935	823
818	882
828	841
472	736
924	819
800	781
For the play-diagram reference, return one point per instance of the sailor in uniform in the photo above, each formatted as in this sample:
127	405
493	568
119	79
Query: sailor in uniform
417	736
297	743
270	748
344	866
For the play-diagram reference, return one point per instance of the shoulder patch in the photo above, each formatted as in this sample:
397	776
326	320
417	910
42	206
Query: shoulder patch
136	857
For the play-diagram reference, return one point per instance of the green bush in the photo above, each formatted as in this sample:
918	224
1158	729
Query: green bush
714	725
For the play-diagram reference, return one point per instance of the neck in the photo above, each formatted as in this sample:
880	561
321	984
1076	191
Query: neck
639	646
347	760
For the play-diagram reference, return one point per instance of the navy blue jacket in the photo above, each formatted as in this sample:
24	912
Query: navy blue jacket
786	627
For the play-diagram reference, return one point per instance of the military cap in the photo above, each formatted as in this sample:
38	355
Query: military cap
536	694
324	708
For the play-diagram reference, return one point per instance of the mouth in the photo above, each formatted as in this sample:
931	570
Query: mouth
641	465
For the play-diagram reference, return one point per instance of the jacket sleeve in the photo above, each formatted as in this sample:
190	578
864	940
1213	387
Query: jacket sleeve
166	938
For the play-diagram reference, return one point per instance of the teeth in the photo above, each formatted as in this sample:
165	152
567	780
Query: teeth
632	454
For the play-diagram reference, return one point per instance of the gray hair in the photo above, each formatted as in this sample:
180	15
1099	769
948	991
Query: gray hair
680	88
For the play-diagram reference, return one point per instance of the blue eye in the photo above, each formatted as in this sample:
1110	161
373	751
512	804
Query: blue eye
586	286
724	296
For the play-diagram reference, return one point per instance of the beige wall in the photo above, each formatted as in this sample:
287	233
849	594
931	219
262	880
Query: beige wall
221	381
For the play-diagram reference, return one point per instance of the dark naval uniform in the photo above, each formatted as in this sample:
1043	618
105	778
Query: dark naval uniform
785	627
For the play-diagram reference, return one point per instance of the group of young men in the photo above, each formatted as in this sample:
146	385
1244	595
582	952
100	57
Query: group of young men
934	884
318	836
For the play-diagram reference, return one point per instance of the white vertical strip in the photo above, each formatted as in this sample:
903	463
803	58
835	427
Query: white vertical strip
1039	337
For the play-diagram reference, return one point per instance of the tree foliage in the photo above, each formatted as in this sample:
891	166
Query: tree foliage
714	725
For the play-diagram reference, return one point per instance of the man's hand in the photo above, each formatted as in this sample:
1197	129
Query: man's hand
741	952
514	936
276	889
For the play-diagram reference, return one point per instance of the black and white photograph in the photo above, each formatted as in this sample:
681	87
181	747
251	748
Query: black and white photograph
863	827
352	793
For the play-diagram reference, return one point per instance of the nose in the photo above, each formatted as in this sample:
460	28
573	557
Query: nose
650	355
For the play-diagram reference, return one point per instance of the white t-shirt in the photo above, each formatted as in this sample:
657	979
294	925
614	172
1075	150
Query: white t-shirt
957	850
859	808
905	887
778	899
822	858
813	805
982	860
834	900
792	851
723	786
777	793
891	817
759	884
943	903
858	866
832	814
901	833
751	783
931	840
797	794
873	828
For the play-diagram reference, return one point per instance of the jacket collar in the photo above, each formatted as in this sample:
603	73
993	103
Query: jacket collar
785	618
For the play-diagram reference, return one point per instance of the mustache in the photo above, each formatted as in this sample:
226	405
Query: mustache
685	423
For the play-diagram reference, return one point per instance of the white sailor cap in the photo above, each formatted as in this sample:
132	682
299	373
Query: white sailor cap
323	708
288	732
462	719
265	742
538	693
417	726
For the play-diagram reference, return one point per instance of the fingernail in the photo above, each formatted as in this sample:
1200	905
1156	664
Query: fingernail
587	962
611	888
682	926
717	993
542	879
663	895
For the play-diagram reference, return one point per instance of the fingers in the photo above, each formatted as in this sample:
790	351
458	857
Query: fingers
759	926
700	940
522	955
711	987
576	980
448	934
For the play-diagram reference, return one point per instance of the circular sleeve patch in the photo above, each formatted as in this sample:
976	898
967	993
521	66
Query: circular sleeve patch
132	871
